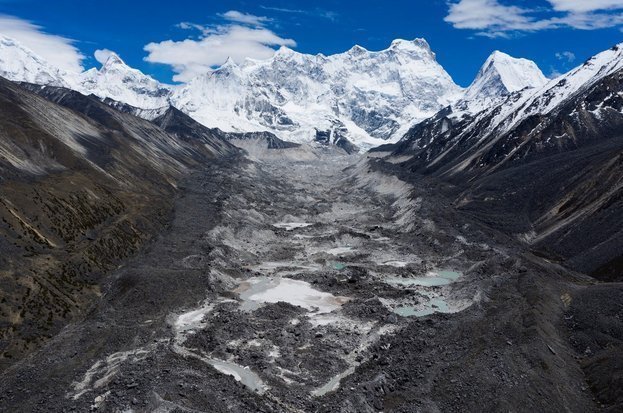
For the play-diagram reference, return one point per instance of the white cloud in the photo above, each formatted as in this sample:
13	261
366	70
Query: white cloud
59	51
192	57
244	18
566	56
583	6
102	55
487	15
493	18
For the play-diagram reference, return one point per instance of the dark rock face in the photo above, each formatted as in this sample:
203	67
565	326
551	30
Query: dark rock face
553	182
336	136
378	125
270	115
323	136
192	132
271	140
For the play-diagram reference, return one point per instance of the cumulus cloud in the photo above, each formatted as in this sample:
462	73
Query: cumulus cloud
102	55
245	36
583	6
493	18
486	14
239	17
59	51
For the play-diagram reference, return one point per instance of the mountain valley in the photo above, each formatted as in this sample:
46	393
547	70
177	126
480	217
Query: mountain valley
231	244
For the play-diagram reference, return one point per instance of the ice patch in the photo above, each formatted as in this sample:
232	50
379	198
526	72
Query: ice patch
290	226
259	290
191	321
280	265
340	251
397	264
103	371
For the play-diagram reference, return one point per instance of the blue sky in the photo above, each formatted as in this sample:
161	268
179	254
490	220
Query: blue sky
185	37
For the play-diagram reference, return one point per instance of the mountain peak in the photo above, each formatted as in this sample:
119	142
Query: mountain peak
357	50
417	47
516	73
226	69
229	63
415	44
19	63
498	55
113	61
503	74
285	51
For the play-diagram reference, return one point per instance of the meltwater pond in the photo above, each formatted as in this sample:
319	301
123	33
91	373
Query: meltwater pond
432	279
433	303
240	373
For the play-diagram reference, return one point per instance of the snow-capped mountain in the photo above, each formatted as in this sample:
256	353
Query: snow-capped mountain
568	112
361	97
545	165
21	64
502	75
116	80
375	96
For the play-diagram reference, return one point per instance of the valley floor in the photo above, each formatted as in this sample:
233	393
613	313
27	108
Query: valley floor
325	285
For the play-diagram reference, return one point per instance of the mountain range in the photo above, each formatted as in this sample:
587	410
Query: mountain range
365	97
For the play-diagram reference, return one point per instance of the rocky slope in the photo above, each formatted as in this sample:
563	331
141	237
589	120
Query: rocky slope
544	164
83	188
298	286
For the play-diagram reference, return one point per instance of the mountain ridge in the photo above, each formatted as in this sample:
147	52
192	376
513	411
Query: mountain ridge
373	96
543	149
